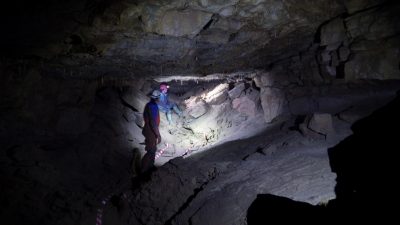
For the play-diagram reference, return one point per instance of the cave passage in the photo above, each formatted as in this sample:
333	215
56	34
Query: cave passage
276	98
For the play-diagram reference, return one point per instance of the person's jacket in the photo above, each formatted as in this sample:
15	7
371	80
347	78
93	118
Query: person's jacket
164	104
151	118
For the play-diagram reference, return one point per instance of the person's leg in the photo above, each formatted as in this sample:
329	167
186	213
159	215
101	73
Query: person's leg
177	110
147	161
167	113
149	157
169	116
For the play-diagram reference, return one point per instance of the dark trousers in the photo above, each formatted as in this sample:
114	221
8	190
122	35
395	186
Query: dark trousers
151	149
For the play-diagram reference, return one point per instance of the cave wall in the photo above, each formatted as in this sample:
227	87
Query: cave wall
55	94
34	102
63	141
362	44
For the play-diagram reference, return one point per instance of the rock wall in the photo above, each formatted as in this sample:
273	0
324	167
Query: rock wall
36	101
66	144
361	44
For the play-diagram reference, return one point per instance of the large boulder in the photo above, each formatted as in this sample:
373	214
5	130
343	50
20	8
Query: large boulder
244	105
333	33
217	95
272	102
322	124
236	91
196	107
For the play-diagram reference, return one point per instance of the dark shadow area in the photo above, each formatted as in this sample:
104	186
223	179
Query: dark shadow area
366	168
267	208
365	164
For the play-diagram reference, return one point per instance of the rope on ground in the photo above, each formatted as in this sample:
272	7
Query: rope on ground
99	216
159	153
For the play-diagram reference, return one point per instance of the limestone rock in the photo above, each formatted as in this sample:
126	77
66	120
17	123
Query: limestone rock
344	53
183	23
196	107
335	59
227	11
333	32
325	57
378	61
236	91
306	132
134	98
357	5
375	23
321	123
217	95
215	36
272	102
279	76
244	105
218	5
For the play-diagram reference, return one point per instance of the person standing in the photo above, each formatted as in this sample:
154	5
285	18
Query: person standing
150	131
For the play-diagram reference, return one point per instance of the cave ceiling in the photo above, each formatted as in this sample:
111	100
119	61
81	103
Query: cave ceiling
165	36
